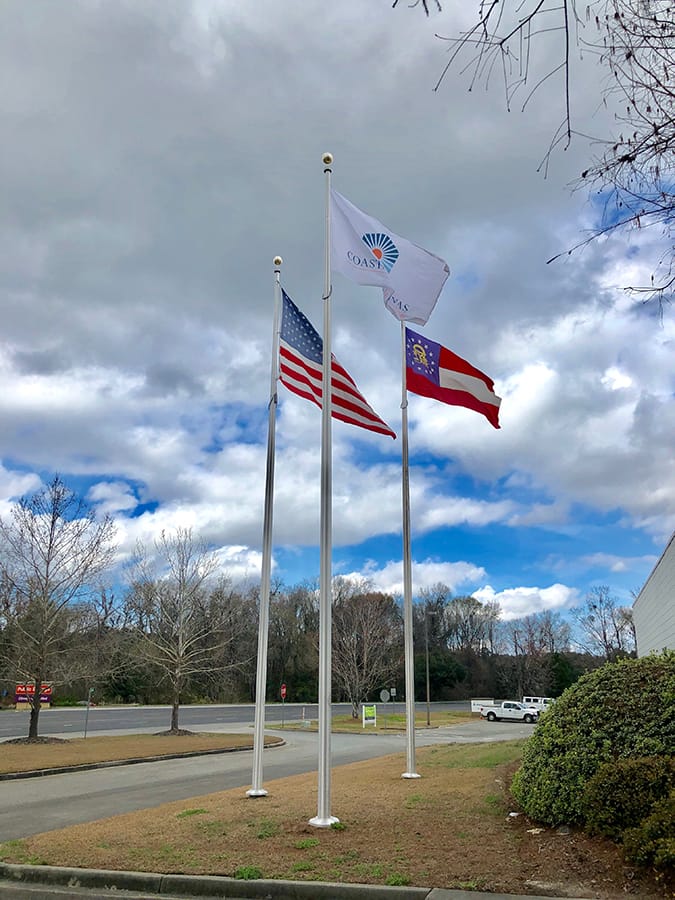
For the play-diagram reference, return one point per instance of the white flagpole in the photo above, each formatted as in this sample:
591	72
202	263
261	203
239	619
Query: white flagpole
257	790
323	818
407	579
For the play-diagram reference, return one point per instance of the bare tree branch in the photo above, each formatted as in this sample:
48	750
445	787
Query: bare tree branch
606	627
366	640
179	631
635	41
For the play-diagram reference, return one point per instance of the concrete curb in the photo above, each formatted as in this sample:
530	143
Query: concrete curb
132	761
201	885
19	882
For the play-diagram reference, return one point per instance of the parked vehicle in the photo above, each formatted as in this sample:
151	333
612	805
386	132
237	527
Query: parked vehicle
511	710
538	702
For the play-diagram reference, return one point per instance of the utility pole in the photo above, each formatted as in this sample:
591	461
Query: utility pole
426	655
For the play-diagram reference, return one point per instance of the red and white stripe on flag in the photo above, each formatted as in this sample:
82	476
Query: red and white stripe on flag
301	370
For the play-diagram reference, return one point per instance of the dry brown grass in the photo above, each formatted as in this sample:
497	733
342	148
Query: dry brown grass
25	757
448	829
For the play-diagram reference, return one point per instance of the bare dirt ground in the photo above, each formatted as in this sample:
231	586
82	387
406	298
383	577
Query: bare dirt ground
451	828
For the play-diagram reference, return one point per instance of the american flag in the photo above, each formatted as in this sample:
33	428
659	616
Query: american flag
301	370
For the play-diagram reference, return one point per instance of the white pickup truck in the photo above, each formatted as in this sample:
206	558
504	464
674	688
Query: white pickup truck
510	709
539	703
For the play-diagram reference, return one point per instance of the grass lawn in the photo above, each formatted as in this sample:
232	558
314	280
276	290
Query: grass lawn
451	828
394	721
80	751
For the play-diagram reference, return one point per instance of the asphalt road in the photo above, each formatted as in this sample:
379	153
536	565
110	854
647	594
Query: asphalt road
31	805
71	720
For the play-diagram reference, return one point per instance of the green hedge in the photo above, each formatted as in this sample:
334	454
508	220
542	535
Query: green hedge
652	843
622	710
623	793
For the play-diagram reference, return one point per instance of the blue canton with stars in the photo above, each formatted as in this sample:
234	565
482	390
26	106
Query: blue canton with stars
298	332
422	355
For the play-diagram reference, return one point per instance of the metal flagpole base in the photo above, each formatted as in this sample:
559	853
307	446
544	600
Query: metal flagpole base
323	821
256	792
410	775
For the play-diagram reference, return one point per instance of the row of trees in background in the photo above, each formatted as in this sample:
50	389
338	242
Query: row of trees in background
182	632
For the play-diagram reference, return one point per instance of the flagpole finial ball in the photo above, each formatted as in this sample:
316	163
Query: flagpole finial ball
327	159
277	260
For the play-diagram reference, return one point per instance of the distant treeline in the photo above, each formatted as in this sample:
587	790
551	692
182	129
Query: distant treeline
179	631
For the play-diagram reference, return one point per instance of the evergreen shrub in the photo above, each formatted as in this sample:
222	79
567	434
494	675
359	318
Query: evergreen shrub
621	794
652	843
622	710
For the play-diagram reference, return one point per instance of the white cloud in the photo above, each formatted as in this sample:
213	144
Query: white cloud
14	485
525	601
615	379
617	564
157	157
389	578
112	497
241	564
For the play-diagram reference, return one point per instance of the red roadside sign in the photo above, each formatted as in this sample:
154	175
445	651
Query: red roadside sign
283	691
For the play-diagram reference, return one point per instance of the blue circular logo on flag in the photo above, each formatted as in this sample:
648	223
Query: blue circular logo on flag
383	249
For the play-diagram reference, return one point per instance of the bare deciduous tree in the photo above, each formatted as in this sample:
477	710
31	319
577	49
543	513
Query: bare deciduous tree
430	627
237	614
531	642
294	643
470	624
53	552
178	630
606	627
367	640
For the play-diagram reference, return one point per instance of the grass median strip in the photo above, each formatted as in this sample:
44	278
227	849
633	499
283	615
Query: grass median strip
387	720
27	757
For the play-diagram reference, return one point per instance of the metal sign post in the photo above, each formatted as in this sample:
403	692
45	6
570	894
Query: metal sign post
384	697
86	715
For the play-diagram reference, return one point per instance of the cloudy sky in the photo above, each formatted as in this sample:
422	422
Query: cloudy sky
156	156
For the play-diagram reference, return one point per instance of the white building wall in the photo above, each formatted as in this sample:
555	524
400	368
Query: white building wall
654	607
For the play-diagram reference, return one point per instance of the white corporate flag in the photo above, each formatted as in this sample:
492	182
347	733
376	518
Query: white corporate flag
365	251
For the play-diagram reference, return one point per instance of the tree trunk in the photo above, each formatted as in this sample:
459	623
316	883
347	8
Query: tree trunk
34	715
355	709
175	706
35	708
